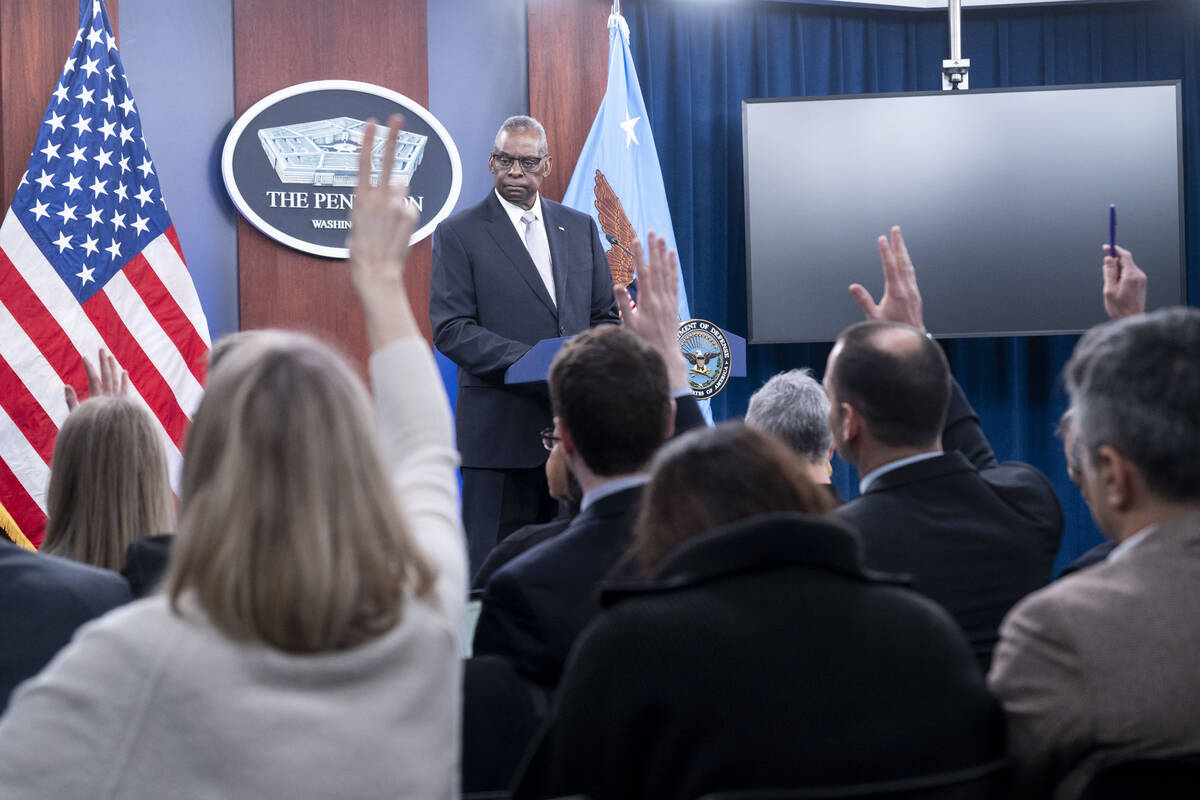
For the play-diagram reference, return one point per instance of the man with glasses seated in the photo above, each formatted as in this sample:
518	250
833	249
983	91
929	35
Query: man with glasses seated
513	270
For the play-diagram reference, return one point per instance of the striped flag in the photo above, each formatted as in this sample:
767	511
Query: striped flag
89	259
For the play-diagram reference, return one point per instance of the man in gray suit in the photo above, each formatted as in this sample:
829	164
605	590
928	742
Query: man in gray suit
1101	666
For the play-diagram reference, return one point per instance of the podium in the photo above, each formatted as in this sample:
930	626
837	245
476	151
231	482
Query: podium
534	366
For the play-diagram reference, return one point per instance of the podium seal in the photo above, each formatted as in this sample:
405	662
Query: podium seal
706	349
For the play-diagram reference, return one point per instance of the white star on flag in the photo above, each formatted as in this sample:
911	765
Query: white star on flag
627	126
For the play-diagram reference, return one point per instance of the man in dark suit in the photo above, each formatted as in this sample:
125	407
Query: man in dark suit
611	389
43	599
507	273
975	534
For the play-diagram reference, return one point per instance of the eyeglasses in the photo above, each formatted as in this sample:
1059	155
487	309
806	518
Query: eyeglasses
529	163
548	438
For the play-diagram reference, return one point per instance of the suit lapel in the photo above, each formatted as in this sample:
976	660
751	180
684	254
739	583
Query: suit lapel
500	228
557	237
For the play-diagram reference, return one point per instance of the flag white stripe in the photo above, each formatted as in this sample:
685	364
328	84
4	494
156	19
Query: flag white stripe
46	284
69	315
171	270
32	368
24	462
154	342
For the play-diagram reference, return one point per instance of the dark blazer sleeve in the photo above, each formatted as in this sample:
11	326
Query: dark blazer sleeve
687	415
454	312
1023	486
509	626
963	433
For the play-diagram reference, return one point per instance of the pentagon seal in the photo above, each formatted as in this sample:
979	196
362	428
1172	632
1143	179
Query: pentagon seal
707	352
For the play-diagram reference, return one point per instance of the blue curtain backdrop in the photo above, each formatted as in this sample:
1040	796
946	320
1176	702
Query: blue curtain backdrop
698	60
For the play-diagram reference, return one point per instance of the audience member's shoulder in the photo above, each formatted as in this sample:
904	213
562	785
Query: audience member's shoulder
40	574
1073	598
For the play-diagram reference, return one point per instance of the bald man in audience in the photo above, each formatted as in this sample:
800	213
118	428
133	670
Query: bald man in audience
793	406
976	535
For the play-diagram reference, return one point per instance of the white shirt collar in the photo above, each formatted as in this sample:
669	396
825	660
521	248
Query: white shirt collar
612	487
865	481
1122	550
515	212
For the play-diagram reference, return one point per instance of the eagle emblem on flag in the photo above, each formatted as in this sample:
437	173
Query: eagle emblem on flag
615	224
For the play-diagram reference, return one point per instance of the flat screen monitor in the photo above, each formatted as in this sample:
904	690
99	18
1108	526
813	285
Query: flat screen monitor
1003	197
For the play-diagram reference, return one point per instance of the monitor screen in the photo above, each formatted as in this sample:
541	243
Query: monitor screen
1003	197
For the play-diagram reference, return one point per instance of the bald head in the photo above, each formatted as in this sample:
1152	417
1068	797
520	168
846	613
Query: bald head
895	377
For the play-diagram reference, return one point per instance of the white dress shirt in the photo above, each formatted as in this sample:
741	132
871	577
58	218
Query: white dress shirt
865	482
539	229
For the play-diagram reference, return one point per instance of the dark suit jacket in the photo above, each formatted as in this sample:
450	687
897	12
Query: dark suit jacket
536	605
515	544
146	562
488	306
975	535
762	656
43	599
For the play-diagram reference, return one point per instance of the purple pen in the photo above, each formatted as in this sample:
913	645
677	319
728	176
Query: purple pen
1112	230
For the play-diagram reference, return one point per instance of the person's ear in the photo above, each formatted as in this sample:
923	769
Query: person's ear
851	422
1116	476
546	166
564	438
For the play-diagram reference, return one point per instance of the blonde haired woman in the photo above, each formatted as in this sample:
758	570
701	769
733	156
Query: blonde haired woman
108	482
307	642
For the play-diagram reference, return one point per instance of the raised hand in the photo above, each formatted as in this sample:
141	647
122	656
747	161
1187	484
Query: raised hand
1124	285
382	222
111	379
901	300
656	317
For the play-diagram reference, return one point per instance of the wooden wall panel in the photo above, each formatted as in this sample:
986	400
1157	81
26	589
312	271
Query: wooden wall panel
568	71
278	43
35	39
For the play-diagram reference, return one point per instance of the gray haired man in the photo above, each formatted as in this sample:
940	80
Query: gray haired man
1100	666
793	406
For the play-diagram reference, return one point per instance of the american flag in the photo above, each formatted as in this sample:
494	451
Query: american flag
89	259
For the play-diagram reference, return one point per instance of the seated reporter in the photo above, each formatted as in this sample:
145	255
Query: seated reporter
760	655
108	479
306	643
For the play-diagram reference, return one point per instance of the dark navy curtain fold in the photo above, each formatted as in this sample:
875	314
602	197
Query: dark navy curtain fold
698	60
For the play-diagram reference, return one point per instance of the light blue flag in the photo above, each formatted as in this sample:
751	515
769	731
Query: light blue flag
617	179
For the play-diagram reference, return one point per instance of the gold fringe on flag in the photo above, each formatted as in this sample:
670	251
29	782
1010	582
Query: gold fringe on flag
12	531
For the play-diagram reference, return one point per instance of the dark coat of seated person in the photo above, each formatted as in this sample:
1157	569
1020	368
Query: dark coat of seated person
146	563
43	600
761	654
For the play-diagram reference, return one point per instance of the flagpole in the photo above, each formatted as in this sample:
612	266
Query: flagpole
616	9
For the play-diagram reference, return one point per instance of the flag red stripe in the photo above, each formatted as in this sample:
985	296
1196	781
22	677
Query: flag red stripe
144	376
40	326
170	316
21	506
173	238
26	412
